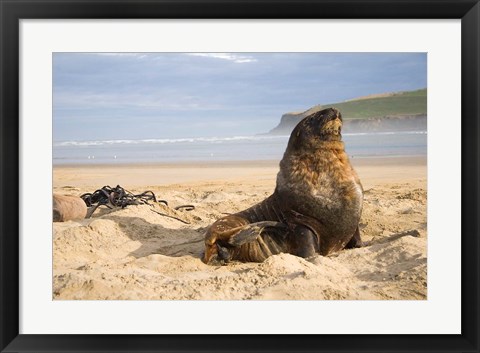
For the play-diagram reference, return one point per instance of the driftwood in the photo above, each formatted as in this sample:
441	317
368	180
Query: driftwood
66	208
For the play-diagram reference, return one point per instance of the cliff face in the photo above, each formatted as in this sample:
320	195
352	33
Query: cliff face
415	122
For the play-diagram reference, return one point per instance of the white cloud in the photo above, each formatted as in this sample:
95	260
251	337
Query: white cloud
236	58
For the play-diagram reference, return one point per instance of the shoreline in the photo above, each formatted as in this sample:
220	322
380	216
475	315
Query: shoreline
226	163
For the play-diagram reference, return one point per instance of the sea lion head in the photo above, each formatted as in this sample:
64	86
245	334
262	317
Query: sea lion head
322	126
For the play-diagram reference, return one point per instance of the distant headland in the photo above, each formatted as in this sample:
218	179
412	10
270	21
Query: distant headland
397	111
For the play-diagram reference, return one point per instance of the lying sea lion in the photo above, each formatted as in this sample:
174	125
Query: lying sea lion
315	208
66	208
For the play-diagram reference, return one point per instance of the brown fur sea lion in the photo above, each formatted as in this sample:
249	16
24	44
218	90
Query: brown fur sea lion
66	208
315	208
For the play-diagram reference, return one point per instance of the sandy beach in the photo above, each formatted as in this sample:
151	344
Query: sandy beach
152	252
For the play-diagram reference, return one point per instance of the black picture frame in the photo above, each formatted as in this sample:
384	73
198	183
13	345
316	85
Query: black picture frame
12	11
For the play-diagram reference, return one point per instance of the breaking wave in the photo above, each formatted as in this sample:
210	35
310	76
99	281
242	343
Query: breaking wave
212	140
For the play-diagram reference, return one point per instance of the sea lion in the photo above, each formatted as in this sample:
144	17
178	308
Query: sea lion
66	208
315	208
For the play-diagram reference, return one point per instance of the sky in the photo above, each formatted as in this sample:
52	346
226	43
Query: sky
105	96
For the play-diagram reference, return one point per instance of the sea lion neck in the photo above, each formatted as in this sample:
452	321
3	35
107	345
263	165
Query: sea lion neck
313	146
337	145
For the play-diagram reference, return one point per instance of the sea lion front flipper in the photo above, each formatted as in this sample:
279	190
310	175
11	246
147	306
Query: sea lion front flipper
304	242
251	232
356	241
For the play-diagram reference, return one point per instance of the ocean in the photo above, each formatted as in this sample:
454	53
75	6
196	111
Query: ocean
217	149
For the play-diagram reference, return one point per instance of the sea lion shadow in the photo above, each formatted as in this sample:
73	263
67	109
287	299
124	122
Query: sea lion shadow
157	239
394	262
